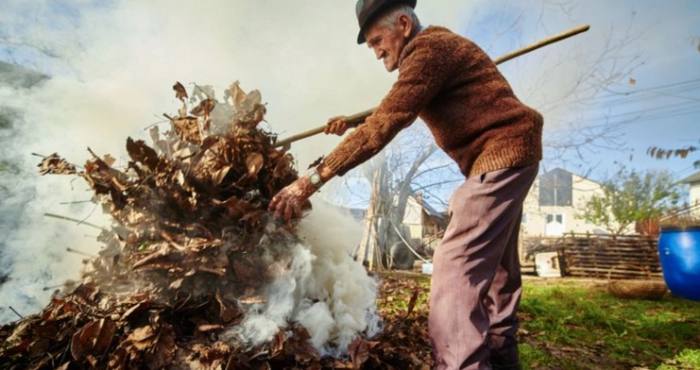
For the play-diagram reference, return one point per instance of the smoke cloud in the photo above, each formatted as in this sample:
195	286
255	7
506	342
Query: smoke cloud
321	287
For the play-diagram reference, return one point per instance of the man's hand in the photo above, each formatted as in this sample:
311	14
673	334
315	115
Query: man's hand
291	201
337	125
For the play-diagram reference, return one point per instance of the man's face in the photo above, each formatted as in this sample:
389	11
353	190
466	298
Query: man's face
388	42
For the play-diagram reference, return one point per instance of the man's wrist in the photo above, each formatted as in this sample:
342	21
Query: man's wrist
314	178
325	173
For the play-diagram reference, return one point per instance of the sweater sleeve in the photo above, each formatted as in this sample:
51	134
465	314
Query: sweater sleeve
422	73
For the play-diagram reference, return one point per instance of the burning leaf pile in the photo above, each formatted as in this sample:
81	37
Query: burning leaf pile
187	254
193	263
404	343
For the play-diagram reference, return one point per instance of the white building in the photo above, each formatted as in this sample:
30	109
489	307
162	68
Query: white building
555	202
693	193
425	224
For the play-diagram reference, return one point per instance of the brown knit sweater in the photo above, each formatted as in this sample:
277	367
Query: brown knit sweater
468	105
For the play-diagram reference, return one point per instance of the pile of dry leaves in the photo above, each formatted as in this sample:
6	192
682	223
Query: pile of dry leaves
183	256
404	342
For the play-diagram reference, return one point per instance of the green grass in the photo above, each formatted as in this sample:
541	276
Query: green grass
581	326
576	324
687	359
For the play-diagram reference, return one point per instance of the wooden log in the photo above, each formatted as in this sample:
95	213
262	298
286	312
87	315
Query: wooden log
610	270
614	275
623	256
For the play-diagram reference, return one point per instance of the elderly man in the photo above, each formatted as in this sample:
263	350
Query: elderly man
496	141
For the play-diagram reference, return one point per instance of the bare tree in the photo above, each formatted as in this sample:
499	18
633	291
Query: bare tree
410	165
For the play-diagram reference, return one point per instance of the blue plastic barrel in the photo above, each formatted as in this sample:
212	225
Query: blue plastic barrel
679	252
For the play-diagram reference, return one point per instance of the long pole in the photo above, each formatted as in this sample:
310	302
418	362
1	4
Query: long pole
358	118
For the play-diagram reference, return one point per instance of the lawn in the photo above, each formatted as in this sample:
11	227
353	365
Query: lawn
577	324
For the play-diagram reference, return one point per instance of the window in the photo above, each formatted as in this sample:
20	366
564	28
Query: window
554	225
558	218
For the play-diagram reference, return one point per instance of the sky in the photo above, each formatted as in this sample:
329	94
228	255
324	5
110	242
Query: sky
653	44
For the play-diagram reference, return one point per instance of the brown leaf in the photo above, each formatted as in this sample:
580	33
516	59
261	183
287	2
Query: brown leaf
93	338
254	162
277	343
359	352
412	302
56	165
235	207
228	312
298	345
204	108
236	94
109	159
245	271
142	153
142	338
215	271
158	256
87	292
188	129
135	309
282	168
209	327
220	174
180	92
176	284
164	352
252	299
205	357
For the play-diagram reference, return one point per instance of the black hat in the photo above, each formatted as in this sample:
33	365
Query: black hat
367	10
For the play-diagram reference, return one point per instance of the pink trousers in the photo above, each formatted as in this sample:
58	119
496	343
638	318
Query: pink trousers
476	284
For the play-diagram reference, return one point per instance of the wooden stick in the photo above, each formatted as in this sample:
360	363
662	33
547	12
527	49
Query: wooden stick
69	249
52	287
358	118
354	120
543	43
15	311
79	222
76	202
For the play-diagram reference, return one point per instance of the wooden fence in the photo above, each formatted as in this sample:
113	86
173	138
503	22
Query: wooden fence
605	256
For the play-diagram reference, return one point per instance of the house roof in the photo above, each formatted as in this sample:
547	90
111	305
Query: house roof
559	169
429	209
692	179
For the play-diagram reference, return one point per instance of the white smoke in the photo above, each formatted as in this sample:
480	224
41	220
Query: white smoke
321	287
